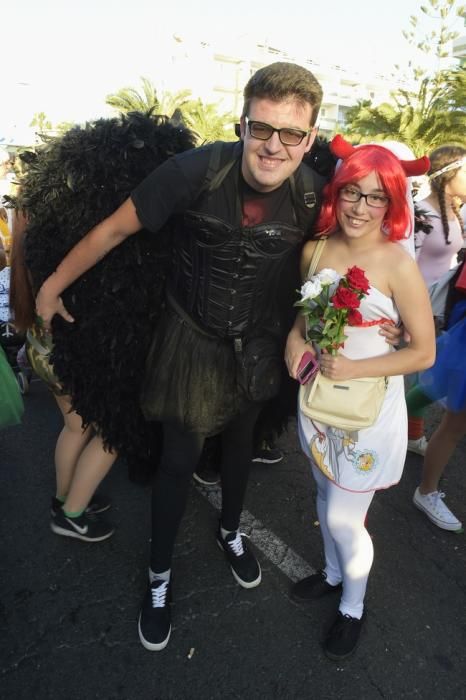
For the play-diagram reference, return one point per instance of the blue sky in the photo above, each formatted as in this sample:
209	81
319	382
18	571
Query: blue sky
63	57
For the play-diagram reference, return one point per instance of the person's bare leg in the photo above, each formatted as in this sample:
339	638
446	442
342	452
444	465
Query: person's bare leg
441	446
70	444
93	465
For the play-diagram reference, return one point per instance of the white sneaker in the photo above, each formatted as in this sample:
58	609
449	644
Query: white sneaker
433	506
418	446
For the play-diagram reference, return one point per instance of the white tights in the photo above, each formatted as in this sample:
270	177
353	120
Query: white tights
347	544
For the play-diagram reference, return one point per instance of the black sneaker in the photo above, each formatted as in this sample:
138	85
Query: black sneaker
207	477
154	624
244	565
207	471
343	636
88	528
97	504
313	587
267	453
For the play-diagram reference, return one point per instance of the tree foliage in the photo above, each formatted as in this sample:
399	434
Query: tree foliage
129	99
434	112
206	123
41	122
204	120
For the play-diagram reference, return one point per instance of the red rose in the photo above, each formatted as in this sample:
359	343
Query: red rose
357	279
345	298
354	318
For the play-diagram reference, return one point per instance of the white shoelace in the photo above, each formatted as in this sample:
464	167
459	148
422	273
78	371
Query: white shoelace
237	544
159	595
440	508
438	503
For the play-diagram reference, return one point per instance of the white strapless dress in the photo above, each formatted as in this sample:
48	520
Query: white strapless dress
372	458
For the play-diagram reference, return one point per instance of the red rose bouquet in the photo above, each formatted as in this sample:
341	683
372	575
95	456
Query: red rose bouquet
328	313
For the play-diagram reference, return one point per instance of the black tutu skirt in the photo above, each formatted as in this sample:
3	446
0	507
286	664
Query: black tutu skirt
191	378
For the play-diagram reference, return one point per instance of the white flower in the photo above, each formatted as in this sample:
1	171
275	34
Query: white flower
311	289
328	276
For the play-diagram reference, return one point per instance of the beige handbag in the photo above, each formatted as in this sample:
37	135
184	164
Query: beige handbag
349	405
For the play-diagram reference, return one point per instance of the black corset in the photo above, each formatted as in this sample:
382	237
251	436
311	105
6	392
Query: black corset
228	278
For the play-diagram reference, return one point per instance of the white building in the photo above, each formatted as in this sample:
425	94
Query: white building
218	74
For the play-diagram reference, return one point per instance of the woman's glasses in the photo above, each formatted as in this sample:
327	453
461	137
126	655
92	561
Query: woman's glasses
351	194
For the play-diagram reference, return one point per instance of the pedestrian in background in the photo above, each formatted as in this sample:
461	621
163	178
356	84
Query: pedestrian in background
436	253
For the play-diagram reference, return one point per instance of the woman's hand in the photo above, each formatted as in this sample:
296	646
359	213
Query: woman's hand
336	367
295	348
47	305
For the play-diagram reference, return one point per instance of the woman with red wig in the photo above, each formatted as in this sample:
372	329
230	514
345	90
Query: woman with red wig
364	215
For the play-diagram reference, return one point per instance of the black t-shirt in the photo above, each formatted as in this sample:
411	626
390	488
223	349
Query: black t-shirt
175	186
171	188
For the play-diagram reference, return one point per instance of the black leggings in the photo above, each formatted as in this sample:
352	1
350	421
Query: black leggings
181	452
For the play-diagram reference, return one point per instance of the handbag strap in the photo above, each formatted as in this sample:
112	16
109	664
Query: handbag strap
316	256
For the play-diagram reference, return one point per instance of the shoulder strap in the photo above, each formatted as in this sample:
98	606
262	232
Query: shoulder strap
214	164
305	197
215	173
316	256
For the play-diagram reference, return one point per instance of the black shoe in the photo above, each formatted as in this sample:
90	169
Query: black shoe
313	587
267	453
343	636
88	528
154	624
97	504
244	565
207	471
206	476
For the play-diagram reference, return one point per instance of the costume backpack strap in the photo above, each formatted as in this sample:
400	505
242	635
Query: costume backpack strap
215	172
305	198
316	256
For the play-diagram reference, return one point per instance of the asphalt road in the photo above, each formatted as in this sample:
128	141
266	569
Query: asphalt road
68	613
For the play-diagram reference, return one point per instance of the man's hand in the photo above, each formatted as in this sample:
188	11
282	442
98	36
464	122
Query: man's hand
392	334
47	306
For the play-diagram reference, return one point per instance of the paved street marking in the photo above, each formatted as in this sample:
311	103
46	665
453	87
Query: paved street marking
279	553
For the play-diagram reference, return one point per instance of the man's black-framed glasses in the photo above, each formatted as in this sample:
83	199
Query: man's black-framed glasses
287	136
351	194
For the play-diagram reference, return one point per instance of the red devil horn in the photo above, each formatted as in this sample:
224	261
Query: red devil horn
415	167
341	148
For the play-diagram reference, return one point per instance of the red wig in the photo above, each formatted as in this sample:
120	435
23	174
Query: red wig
361	162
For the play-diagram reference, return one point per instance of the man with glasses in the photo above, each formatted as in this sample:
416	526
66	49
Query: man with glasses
240	214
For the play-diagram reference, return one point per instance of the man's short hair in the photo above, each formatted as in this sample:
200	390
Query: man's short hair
280	81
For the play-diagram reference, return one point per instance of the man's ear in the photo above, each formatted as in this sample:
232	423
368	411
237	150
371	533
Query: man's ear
311	138
241	128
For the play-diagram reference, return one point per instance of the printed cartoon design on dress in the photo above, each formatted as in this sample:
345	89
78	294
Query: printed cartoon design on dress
365	462
327	448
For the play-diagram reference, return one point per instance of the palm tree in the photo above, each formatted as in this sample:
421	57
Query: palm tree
171	102
42	122
422	121
203	119
130	100
206	123
436	113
